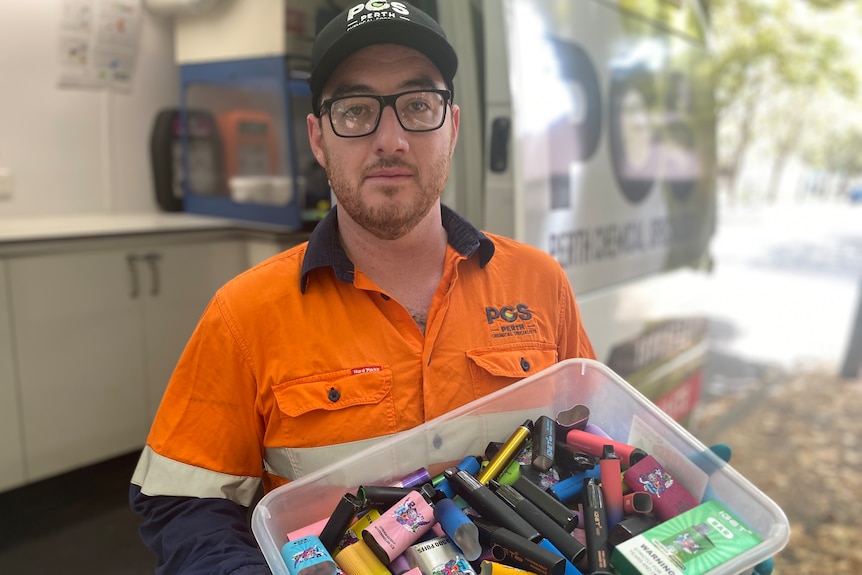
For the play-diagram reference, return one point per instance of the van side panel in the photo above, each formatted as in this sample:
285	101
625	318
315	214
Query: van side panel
614	134
610	167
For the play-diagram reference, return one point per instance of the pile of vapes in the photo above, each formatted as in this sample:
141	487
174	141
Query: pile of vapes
553	499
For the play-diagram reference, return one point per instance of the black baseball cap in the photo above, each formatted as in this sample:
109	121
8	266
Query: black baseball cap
378	22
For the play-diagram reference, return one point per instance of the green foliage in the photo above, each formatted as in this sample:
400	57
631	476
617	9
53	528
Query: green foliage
829	4
840	152
782	69
756	38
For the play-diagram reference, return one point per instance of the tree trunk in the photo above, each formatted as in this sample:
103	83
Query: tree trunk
784	148
738	155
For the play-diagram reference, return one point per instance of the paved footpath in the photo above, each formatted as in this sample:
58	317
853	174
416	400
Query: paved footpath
798	438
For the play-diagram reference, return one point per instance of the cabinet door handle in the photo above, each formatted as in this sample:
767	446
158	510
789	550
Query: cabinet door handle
132	260
152	260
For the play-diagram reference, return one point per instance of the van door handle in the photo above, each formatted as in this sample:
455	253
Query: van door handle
500	129
132	260
152	260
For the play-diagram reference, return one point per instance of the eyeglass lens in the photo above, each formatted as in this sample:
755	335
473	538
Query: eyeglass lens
359	115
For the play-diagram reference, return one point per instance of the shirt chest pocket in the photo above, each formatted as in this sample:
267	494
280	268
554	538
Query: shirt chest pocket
336	407
492	368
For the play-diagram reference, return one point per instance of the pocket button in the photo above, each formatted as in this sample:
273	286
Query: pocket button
334	395
525	365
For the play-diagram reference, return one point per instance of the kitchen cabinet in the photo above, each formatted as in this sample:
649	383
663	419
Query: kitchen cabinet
11	450
97	332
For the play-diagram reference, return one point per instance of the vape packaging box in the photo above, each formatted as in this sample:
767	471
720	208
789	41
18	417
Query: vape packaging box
669	497
691	543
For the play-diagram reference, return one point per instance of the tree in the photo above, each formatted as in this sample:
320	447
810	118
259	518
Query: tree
841	155
772	62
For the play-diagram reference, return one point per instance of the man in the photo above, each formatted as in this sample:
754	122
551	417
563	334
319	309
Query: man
388	316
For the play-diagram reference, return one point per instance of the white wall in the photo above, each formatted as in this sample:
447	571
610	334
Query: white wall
76	151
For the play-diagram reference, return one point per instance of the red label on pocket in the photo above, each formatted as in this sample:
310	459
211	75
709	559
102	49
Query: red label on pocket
366	369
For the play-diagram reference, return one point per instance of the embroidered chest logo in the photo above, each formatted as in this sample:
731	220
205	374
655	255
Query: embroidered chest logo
510	320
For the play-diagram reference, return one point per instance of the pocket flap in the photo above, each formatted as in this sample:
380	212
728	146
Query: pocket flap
515	360
334	390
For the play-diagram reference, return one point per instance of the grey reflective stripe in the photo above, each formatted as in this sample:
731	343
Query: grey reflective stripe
158	475
293	463
451	441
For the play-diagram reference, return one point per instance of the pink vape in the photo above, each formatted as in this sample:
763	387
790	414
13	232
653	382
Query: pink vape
401	525
592	444
610	472
669	497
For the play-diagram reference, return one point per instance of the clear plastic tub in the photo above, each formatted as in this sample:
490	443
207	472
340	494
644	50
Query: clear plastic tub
615	406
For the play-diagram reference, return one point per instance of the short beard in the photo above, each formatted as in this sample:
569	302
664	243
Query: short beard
392	220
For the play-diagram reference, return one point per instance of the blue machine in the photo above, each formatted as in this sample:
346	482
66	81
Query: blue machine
260	110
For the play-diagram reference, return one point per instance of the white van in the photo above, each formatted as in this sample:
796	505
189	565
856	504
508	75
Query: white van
593	138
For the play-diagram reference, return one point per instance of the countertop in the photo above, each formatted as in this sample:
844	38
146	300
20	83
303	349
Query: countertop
60	233
76	226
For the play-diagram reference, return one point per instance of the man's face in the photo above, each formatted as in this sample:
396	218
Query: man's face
386	181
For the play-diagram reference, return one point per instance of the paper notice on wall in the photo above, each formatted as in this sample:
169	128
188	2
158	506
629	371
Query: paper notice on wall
98	43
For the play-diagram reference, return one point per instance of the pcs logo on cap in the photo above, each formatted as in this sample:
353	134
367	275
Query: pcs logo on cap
374	9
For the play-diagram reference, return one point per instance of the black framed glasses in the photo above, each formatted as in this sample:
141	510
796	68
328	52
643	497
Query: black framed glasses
416	110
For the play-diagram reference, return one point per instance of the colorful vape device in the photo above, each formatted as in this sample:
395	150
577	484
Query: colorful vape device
470	464
570	488
438	556
488	505
570	567
382	496
511	473
307	556
593	444
358	559
511	549
494	568
637	502
562	515
669	497
576	417
568	461
343	516
413	479
544	443
399	565
596	529
610	473
401	525
459	528
507	453
629	527
569	547
354	532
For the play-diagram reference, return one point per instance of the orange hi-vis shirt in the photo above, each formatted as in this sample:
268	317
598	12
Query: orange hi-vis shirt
302	359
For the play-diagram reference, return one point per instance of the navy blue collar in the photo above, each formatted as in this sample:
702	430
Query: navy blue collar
324	249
